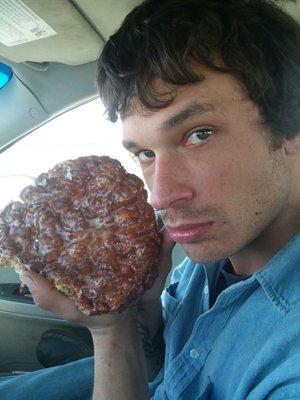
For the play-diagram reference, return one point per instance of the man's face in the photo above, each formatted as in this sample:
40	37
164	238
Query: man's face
210	166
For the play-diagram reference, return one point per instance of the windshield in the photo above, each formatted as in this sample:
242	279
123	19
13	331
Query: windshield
79	132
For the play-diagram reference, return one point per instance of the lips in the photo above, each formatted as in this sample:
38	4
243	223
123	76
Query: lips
188	233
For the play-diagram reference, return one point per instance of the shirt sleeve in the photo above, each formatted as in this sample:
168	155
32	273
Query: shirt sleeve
290	391
284	382
284	396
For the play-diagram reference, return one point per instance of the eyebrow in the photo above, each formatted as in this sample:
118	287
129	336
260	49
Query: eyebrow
191	110
128	144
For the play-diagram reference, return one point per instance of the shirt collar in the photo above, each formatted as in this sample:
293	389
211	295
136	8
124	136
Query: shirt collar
280	277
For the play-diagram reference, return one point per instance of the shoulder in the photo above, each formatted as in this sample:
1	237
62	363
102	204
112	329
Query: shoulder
274	373
283	382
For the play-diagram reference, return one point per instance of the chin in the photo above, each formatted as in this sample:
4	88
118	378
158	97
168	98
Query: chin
206	253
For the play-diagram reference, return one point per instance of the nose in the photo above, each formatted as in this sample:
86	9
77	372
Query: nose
170	182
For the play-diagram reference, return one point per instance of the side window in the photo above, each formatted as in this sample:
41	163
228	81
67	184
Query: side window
79	132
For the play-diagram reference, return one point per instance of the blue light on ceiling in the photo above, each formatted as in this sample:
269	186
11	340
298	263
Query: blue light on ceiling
5	74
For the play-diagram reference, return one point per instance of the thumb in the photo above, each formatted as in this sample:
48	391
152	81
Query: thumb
167	244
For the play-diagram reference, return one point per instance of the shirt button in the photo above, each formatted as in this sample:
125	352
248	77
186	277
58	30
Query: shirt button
194	353
205	290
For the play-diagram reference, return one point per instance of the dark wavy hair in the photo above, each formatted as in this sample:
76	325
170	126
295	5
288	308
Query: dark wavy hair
254	40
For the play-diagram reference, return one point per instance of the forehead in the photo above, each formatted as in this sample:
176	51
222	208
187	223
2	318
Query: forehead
220	93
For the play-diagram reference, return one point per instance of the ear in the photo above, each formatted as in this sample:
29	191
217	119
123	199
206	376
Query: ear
292	146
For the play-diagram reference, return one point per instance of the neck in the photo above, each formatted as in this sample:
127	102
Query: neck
259	251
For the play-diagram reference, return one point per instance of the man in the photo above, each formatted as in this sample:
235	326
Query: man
208	95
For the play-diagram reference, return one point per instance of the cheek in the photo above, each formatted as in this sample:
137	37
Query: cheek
252	192
148	179
216	182
148	172
233	184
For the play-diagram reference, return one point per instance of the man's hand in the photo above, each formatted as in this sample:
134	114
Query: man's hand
164	267
50	299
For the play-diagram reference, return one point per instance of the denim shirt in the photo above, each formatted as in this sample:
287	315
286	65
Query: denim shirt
247	346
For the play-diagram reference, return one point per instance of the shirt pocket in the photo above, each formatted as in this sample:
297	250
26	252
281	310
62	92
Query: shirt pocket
171	305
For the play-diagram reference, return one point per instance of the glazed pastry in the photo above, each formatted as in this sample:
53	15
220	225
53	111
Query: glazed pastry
87	227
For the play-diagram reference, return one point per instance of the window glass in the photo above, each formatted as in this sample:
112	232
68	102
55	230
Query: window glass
5	74
79	132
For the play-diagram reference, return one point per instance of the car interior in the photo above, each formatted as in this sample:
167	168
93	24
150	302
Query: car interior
48	54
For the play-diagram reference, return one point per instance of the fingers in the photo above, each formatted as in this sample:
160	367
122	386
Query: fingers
167	246
167	243
47	297
50	299
164	267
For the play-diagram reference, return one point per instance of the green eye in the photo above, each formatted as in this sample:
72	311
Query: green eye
144	155
199	135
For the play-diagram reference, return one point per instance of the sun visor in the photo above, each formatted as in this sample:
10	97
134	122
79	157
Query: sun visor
41	31
106	15
67	31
